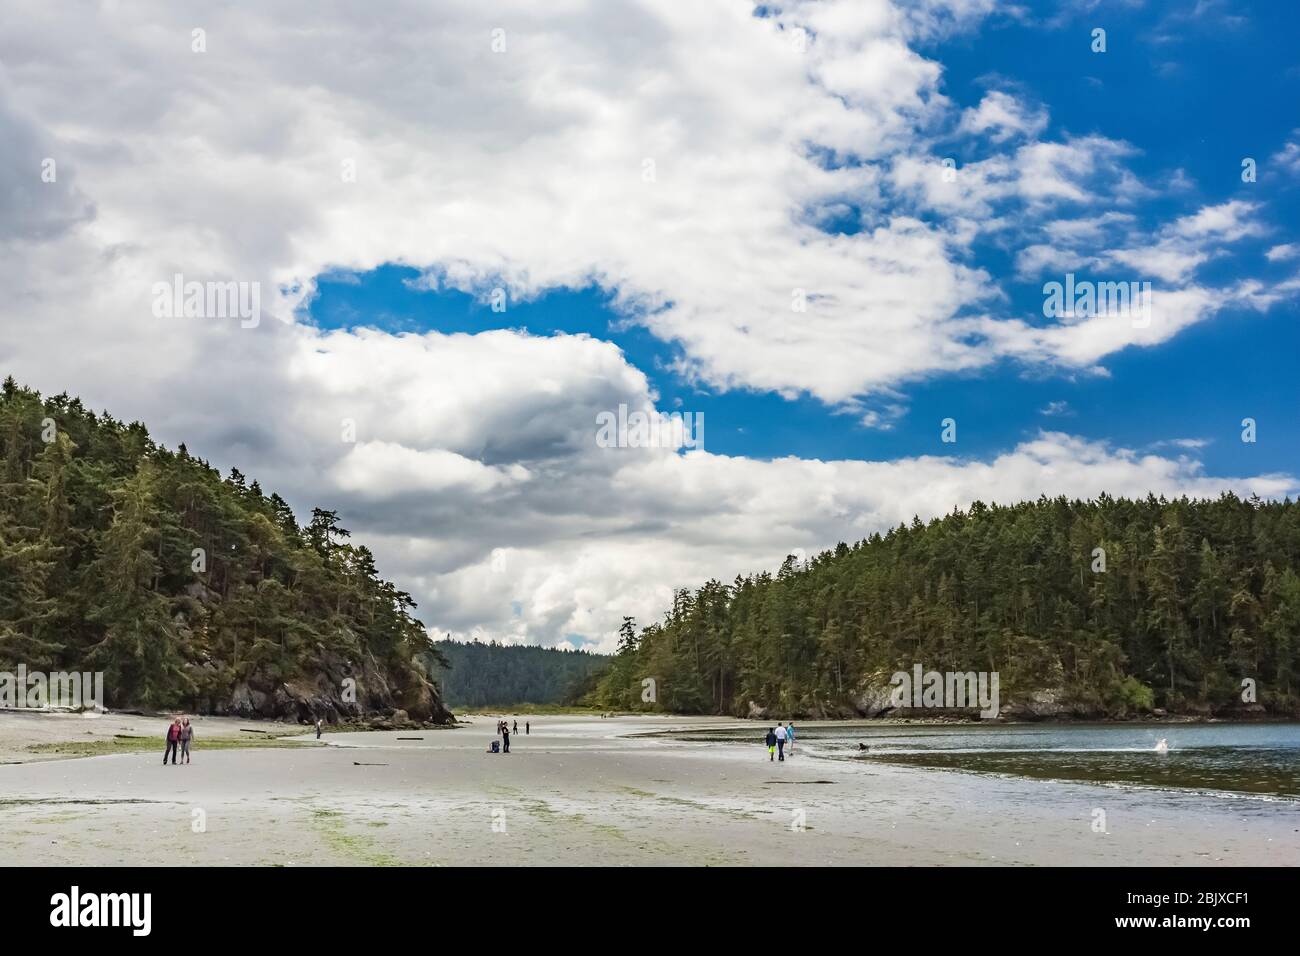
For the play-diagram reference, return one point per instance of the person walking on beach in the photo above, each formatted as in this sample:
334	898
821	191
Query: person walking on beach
187	734
526	731
173	738
770	740
789	736
515	729
318	723
780	743
505	737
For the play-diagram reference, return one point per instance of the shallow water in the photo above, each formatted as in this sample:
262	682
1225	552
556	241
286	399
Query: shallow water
1262	759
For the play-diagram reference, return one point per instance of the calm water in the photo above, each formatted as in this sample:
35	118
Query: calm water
1259	759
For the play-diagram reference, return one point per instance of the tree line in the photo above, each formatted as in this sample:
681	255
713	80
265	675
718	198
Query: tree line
1115	607
477	674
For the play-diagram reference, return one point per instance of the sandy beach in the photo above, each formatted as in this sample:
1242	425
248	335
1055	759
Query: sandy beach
578	790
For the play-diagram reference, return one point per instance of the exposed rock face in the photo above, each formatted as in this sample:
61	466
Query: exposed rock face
246	702
340	690
1038	705
873	698
756	712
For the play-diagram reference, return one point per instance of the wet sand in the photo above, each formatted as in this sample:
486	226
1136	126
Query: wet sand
584	790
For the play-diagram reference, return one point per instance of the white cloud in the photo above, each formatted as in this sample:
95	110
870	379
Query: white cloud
385	471
1288	157
1190	241
1037	177
1227	221
1002	117
1085	341
1169	262
1048	259
1091	229
1170	254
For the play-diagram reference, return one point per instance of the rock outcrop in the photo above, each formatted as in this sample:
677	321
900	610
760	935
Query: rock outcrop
1043	704
874	697
341	690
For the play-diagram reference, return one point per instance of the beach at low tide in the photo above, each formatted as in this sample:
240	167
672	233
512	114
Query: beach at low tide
582	790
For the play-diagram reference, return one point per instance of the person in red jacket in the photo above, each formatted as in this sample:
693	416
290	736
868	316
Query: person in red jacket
173	741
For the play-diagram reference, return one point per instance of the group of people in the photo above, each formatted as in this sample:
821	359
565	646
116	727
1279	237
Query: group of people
777	738
179	735
504	730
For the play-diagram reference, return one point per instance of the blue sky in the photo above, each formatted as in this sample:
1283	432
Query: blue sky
1193	95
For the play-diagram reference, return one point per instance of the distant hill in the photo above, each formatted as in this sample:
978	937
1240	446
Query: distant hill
486	675
185	589
1109	608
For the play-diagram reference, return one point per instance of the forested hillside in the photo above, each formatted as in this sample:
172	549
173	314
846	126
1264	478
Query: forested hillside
485	675
184	588
1195	596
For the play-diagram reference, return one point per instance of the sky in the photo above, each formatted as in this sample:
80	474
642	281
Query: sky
826	230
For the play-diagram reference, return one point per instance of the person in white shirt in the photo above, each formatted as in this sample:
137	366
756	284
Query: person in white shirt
780	742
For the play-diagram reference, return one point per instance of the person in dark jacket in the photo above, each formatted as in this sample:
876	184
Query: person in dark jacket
173	740
770	740
505	737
